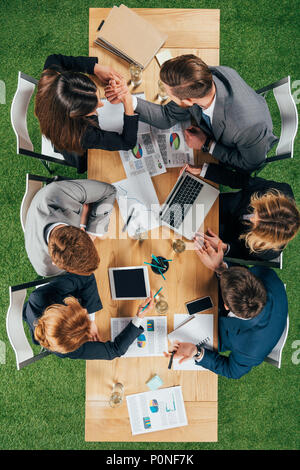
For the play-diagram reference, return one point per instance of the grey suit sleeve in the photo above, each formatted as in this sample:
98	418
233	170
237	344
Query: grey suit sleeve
251	147
159	116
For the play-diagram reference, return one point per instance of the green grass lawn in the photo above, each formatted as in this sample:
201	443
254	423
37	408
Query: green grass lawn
42	406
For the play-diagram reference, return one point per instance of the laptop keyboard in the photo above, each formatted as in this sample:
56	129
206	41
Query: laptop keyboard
182	202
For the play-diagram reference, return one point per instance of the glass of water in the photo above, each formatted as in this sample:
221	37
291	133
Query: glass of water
162	94
135	75
161	305
117	394
178	246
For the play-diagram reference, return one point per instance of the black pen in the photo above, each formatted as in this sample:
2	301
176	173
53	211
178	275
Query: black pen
171	360
100	25
128	220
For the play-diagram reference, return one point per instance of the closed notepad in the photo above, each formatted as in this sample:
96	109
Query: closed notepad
129	36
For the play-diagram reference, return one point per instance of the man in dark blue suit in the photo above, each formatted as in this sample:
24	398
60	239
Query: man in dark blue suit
251	321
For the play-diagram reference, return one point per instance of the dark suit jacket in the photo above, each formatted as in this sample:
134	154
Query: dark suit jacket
250	341
85	289
232	223
94	137
241	125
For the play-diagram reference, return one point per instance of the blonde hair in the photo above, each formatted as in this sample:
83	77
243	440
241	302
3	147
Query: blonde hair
63	328
278	222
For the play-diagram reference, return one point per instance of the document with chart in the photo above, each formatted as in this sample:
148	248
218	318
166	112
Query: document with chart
156	410
151	342
172	145
145	156
194	329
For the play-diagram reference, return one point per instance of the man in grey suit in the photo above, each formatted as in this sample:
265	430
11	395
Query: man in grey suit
61	223
233	122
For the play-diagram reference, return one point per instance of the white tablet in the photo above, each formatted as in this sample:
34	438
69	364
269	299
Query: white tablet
129	283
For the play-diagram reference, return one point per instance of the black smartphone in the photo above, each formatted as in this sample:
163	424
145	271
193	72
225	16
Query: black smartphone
199	305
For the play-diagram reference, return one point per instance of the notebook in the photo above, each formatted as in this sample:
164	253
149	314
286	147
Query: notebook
129	36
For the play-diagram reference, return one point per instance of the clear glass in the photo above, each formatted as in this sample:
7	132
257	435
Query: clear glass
162	94
135	75
117	394
178	246
161	305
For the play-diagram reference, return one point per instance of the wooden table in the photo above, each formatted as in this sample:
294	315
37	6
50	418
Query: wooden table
189	31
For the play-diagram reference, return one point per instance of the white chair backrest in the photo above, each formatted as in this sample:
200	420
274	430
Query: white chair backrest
275	355
15	328
18	112
289	117
32	187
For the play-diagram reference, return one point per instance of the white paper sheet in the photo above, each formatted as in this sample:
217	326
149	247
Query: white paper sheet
197	330
152	342
156	410
172	145
145	157
138	193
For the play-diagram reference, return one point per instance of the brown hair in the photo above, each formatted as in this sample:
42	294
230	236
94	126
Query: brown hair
279	222
62	102
188	76
242	292
73	250
63	328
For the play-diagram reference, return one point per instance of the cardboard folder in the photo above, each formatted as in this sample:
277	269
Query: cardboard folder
130	37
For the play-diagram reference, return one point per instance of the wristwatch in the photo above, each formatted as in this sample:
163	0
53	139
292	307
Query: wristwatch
199	351
205	146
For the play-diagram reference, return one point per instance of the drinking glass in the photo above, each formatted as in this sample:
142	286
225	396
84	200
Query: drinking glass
161	305
135	75
116	398
162	94
178	246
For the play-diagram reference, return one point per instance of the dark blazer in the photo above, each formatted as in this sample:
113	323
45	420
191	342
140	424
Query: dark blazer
94	137
84	288
250	341
241	125
232	225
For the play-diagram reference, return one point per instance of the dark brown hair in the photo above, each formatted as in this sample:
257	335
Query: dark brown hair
63	328
62	102
242	292
188	76
72	250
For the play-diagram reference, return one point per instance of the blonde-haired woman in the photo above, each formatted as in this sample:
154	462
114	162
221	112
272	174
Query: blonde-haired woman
256	222
65	326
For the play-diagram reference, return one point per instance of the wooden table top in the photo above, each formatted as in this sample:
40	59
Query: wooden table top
197	32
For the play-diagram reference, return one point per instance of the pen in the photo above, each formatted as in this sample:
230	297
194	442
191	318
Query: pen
171	360
154	266
128	220
153	298
100	25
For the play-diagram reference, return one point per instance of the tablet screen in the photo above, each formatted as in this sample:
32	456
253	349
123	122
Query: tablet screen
130	283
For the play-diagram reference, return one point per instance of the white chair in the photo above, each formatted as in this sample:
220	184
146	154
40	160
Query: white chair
272	263
289	119
274	357
18	114
15	327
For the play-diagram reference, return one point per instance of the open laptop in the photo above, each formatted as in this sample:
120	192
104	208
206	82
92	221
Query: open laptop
187	205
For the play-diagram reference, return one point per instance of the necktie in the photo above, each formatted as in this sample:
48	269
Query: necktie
206	119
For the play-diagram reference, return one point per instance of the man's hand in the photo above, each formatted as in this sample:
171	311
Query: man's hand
117	91
211	258
141	313
84	215
184	350
193	170
106	73
94	335
195	137
212	238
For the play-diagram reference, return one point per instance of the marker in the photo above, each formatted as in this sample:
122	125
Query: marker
153	298
154	266
171	360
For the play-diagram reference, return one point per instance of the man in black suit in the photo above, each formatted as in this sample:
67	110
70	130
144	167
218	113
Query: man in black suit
237	217
75	319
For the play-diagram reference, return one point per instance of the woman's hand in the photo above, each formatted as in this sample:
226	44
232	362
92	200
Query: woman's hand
117	90
212	238
105	73
141	313
94	335
211	258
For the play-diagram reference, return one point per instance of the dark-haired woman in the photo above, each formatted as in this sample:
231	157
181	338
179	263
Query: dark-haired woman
66	104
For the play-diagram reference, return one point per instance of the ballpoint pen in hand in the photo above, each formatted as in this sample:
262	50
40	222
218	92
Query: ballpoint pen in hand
153	298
